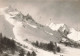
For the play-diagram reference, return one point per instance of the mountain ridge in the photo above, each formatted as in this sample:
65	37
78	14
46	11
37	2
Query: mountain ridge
18	20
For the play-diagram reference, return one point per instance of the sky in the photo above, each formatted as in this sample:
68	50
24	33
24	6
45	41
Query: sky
47	11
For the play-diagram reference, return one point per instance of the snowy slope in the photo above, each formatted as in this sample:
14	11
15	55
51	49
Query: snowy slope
74	35
6	27
14	23
19	27
25	27
59	27
71	33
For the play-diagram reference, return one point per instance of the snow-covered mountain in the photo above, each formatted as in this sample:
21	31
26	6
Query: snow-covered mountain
18	26
59	27
74	35
71	33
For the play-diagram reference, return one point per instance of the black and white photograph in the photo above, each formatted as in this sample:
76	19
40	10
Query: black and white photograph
39	27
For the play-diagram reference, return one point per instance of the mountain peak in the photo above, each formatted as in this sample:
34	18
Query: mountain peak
9	9
59	27
54	26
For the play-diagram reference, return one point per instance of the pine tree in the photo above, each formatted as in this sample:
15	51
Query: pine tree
33	53
37	43
58	49
22	52
28	54
5	54
0	35
50	46
55	48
